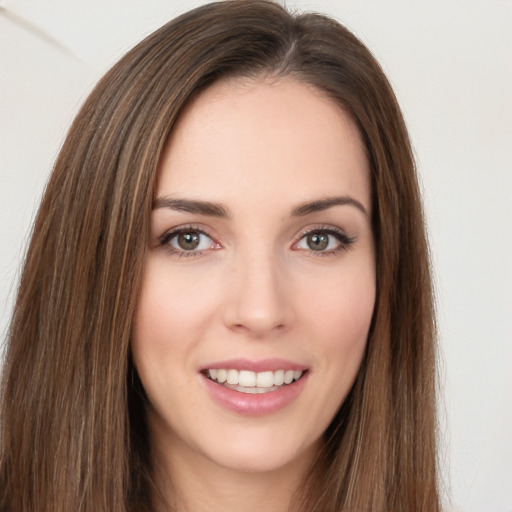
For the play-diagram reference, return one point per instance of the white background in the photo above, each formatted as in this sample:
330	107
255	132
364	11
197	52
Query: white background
451	65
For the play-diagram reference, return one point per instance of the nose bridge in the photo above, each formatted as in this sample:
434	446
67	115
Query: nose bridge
258	300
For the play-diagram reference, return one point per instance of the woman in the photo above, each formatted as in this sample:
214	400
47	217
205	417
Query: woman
226	301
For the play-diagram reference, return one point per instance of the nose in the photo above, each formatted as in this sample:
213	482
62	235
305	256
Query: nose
258	300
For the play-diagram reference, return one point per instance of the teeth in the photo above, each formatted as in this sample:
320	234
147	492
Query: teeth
253	382
233	376
247	379
288	376
253	390
265	379
279	377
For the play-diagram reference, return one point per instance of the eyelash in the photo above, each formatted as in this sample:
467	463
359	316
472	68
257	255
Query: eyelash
169	235
345	241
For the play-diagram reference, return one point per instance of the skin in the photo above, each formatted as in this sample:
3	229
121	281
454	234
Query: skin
254	288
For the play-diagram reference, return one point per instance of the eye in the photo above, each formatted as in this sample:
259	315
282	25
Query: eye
188	240
324	241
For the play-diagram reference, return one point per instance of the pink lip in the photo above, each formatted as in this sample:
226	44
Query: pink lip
254	404
263	365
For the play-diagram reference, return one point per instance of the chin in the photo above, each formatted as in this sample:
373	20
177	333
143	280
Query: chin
264	454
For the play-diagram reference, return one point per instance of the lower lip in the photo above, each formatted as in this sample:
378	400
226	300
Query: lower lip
255	404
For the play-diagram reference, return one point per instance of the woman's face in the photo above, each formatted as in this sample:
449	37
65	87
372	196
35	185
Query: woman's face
260	271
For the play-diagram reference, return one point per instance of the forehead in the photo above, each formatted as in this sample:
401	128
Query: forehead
255	138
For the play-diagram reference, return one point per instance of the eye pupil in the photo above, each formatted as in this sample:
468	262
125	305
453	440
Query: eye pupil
318	241
188	240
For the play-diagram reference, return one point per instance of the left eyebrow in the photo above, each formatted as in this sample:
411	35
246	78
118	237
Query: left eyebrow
325	203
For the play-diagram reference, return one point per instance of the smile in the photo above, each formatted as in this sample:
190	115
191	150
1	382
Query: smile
254	388
246	381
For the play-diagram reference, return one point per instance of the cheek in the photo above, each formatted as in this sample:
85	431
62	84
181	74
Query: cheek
172	314
336	322
172	309
341	310
338	318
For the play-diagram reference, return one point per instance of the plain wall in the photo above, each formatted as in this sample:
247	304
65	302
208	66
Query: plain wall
451	65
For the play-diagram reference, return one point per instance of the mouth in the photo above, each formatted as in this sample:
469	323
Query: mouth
246	381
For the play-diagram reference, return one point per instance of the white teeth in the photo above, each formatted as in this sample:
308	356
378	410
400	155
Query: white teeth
265	379
279	377
253	382
246	378
288	376
251	391
232	376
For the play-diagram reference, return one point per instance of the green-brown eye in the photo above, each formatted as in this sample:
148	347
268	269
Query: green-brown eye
324	241
188	241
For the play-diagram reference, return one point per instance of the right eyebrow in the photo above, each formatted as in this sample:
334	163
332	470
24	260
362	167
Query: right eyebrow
192	206
325	203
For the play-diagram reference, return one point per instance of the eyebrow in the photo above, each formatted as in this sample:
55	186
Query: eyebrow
192	206
325	203
218	210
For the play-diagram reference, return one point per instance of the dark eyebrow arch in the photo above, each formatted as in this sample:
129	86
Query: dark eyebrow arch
192	206
325	203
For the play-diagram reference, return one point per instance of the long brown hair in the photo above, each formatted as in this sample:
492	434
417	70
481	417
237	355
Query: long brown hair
73	433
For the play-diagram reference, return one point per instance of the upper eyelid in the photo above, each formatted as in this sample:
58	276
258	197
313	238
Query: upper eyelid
321	228
169	233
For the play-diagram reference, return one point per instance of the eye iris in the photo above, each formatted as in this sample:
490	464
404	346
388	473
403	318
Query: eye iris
188	240
318	241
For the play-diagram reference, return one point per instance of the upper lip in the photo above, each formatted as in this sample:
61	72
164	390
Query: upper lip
260	365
